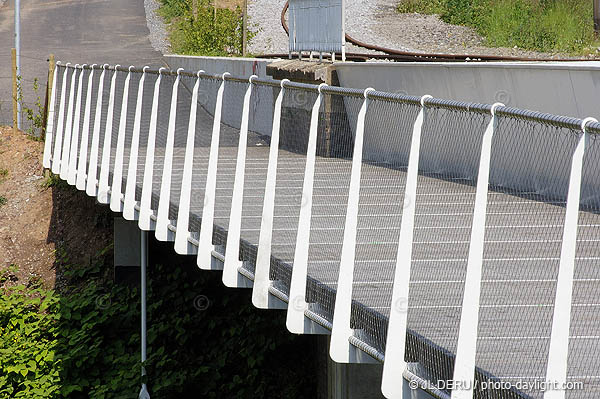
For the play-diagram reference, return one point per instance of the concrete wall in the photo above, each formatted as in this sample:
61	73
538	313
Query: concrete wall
539	162
240	67
562	88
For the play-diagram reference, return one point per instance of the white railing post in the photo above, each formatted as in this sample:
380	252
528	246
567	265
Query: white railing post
556	373
50	122
116	190
92	171
231	277
205	245
466	348
260	290
72	168
182	244
83	150
60	124
145	221
162	232
129	211
391	385
103	196
64	161
340	349
296	321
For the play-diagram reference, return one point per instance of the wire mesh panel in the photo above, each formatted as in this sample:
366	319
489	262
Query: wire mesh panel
293	141
207	97
162	126
146	114
450	150
337	124
59	99
381	199
233	98
584	342
134	81
78	118
114	122
262	104
523	236
184	100
103	120
87	142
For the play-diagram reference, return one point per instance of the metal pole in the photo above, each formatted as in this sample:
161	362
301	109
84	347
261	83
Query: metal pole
144	260
15	93
244	28
18	51
596	16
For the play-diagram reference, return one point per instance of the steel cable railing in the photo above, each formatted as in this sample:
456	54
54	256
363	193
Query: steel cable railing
440	237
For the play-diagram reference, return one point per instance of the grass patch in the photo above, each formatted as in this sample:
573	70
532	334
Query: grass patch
202	31
542	25
3	200
3	174
53	180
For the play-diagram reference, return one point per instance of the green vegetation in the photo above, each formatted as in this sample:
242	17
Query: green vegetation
34	114
200	30
53	180
3	200
3	174
542	25
203	341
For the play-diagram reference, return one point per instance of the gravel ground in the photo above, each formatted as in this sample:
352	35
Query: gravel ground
158	29
264	17
377	22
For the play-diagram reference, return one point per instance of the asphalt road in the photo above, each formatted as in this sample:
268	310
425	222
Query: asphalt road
76	31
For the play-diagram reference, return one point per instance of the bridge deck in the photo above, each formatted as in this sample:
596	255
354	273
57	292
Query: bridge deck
523	240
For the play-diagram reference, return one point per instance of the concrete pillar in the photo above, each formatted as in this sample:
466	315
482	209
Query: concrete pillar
354	381
127	260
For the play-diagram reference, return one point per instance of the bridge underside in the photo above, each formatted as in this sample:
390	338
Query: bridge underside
354	207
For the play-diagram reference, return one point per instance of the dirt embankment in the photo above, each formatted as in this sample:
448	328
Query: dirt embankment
44	223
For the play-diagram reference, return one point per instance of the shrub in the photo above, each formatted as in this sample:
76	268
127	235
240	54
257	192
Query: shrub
542	25
84	342
202	31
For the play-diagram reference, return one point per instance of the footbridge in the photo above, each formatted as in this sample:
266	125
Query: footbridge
456	243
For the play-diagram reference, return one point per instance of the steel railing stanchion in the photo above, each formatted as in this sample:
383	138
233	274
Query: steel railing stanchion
103	195
340	350
260	290
205	245
129	211
116	189
72	168
64	162
60	123
232	263
466	347
296	321
558	353
83	150
50	123
183	246
162	232
92	172
145	220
